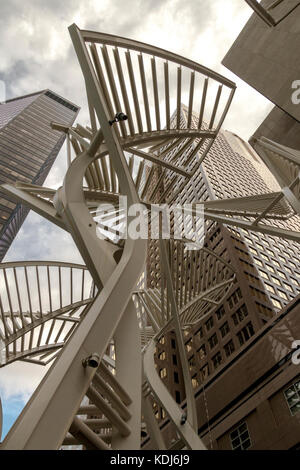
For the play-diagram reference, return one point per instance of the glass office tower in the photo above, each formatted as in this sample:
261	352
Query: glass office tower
28	149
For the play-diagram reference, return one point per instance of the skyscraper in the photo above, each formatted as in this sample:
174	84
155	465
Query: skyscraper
28	148
267	273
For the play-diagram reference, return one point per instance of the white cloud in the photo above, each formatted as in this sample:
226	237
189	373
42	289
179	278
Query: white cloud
20	379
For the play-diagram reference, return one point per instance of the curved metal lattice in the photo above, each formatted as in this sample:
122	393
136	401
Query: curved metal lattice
200	278
146	82
41	304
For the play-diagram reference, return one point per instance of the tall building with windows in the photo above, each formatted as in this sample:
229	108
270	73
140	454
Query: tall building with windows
267	277
28	149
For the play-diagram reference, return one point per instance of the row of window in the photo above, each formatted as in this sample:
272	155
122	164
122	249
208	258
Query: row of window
240	436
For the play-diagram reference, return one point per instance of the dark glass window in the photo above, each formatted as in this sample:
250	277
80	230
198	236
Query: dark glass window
224	329
292	395
212	341
245	333
217	359
229	348
220	313
209	323
240	438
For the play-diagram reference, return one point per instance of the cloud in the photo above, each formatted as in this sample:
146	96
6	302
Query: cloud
39	54
19	380
39	239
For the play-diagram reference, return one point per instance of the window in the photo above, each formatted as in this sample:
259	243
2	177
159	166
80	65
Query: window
213	340
209	323
156	411
292	395
192	362
174	359
204	371
224	329
276	263
258	262
202	351
217	359
163	373
240	314
282	295
176	378
173	343
270	288
263	274
220	313
177	396
240	438
276	303
234	298
276	281
162	356
199	333
229	348
245	333
287	287
281	274
195	382
270	268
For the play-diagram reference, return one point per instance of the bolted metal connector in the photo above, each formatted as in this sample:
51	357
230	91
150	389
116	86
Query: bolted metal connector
183	419
92	361
118	117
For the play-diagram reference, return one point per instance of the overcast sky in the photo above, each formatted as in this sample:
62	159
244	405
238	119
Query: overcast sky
36	53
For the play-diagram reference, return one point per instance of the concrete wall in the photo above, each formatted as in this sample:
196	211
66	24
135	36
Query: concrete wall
279	127
268	58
